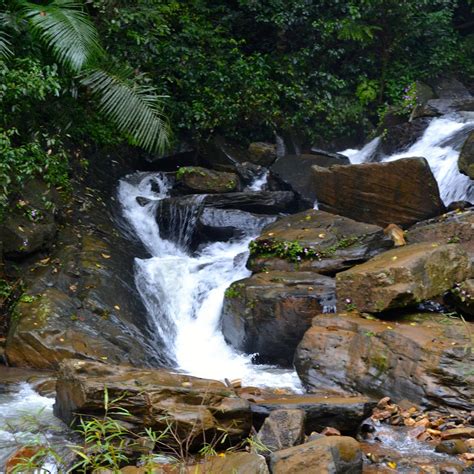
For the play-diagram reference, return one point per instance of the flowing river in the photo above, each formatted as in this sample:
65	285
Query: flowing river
183	291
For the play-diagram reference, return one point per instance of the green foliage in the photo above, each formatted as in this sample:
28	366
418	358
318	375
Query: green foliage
22	162
294	252
252	67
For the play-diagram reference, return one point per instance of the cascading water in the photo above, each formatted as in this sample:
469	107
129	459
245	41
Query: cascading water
183	293
440	145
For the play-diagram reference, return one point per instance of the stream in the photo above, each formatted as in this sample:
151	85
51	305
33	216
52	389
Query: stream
183	290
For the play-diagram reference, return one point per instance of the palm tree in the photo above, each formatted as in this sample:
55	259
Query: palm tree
66	30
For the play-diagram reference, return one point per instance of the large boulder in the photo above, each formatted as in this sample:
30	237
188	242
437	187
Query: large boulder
466	157
327	455
30	223
399	137
81	301
268	313
402	192
402	277
198	180
317	241
295	172
343	413
449	96
424	358
193	409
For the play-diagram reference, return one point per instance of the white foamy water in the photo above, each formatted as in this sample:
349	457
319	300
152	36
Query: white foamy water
440	145
260	183
26	417
184	293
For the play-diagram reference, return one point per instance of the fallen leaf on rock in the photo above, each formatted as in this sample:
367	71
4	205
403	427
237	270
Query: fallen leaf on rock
45	260
117	307
104	255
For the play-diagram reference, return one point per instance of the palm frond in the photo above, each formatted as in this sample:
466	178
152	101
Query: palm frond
67	30
135	109
5	50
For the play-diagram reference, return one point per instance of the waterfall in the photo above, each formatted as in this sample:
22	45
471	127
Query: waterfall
440	145
183	292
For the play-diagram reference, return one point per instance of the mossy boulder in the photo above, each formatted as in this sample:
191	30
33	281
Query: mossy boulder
425	358
317	241
198	180
402	277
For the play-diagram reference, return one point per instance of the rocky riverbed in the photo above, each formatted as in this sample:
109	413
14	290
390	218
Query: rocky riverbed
214	303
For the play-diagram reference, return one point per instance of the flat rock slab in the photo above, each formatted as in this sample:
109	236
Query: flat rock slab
295	171
343	413
402	277
157	398
317	241
424	358
329	455
268	313
401	192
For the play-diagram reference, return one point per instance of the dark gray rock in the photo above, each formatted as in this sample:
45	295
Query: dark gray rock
268	313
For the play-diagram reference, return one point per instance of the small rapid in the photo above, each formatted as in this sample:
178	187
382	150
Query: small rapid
183	292
440	144
27	417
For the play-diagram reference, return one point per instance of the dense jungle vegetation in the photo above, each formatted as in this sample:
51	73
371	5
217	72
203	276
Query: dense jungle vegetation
243	68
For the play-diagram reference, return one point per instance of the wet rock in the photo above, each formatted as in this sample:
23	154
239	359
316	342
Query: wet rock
248	172
81	301
421	358
195	179
317	241
263	154
196	409
400	192
401	136
226	224
282	429
30	223
268	313
343	413
20	457
295	172
331	455
266	202
452	447
402	277
466	157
